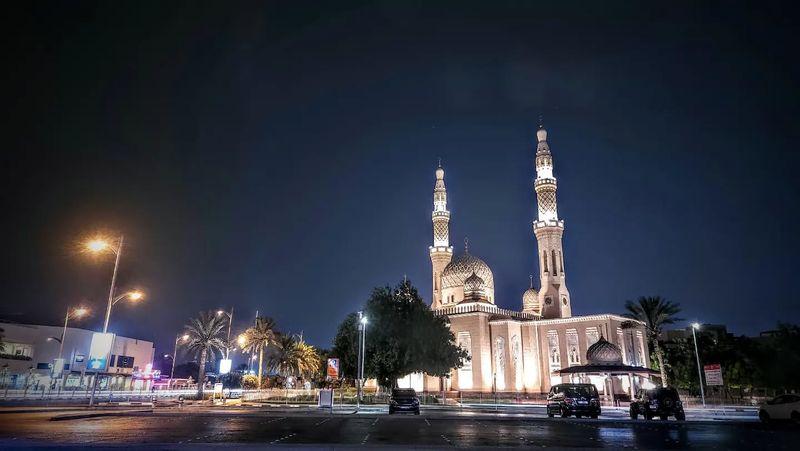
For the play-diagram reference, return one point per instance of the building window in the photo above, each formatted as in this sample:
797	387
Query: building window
592	336
553	352
464	341
544	260
516	360
555	271
573	353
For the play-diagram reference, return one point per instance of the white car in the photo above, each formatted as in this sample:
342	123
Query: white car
783	407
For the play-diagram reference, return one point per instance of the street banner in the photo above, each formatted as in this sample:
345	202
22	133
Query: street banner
58	368
225	366
333	369
99	351
713	374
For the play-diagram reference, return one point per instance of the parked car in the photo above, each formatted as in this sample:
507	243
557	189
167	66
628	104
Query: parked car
783	407
404	400
573	399
662	402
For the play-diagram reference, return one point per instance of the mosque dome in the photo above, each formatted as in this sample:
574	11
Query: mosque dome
464	266
604	353
474	284
530	301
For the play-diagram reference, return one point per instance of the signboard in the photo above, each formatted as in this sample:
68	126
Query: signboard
99	351
225	366
58	367
713	374
326	398
218	388
333	369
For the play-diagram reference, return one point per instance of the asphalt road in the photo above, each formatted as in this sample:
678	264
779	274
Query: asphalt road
187	430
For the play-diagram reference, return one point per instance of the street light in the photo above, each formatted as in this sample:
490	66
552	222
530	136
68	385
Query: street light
71	314
696	326
179	337
362	328
230	322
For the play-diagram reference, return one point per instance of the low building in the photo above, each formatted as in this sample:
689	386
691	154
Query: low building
30	351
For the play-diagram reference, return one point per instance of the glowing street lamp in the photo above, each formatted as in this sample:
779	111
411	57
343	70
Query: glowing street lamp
230	322
178	338
696	326
71	314
362	328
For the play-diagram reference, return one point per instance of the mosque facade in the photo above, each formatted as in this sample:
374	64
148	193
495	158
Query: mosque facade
523	349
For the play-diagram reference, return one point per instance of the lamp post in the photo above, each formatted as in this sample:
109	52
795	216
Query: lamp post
97	246
71	314
230	322
362	328
696	326
179	337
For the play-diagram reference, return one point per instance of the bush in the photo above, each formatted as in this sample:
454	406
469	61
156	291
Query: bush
249	382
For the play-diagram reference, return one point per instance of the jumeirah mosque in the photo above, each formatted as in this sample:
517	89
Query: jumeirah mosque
526	349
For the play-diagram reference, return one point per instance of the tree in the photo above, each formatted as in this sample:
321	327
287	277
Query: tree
403	336
294	357
206	338
258	338
655	312
2	343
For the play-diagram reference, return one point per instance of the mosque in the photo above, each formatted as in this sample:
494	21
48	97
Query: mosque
526	350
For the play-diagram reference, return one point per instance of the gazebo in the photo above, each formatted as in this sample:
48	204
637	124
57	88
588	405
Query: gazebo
605	359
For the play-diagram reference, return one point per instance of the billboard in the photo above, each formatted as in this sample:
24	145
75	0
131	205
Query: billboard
225	366
713	374
99	351
333	369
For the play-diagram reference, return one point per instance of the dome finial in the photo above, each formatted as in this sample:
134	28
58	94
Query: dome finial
440	161
541	134
466	245
531	277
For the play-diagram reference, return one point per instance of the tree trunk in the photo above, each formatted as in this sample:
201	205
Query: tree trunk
260	362
660	357
201	375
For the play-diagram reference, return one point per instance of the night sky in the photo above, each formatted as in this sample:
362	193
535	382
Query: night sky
281	159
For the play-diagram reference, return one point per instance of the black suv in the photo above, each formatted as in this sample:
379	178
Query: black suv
573	399
657	402
404	399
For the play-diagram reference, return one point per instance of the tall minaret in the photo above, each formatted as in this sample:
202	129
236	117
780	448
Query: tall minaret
441	251
553	294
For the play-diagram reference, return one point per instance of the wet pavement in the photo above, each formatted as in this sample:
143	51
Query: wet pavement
187	430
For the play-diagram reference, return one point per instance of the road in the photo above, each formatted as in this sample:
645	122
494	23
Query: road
311	430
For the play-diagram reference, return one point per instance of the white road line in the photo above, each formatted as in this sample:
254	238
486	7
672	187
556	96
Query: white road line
366	437
323	421
426	420
376	421
283	438
276	419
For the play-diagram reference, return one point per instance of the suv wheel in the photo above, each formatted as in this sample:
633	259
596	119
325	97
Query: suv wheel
564	413
796	418
664	417
634	413
647	415
763	416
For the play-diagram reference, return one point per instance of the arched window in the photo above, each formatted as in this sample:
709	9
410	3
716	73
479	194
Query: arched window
516	360
500	363
544	261
555	271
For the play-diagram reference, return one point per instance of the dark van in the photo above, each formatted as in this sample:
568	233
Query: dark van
573	399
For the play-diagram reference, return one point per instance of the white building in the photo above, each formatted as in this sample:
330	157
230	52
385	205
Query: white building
30	350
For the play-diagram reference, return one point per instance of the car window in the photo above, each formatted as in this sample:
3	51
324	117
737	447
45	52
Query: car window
579	391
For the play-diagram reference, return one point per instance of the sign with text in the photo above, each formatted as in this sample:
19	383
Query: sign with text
333	369
225	366
99	351
713	374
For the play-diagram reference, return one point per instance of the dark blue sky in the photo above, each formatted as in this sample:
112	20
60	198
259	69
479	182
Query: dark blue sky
282	159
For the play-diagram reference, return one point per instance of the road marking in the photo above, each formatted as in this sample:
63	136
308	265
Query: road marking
376	421
283	438
323	421
366	437
426	420
276	419
447	440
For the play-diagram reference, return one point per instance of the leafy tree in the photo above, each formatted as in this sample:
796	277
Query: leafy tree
294	357
258	338
249	382
403	336
206	338
655	312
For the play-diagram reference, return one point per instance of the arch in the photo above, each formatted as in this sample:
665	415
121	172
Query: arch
500	363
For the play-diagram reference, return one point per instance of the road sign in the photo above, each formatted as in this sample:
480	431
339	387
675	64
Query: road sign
99	350
333	368
713	374
218	388
225	366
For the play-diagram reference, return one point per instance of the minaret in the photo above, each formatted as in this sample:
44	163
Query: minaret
553	294
441	251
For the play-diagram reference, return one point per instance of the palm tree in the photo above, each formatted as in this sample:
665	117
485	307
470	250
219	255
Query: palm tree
206	338
655	312
294	357
258	338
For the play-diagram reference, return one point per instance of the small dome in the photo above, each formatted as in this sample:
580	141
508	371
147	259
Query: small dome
530	301
439	173
541	134
463	266
474	284
604	353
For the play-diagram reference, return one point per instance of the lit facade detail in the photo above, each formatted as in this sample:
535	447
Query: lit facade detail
441	252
